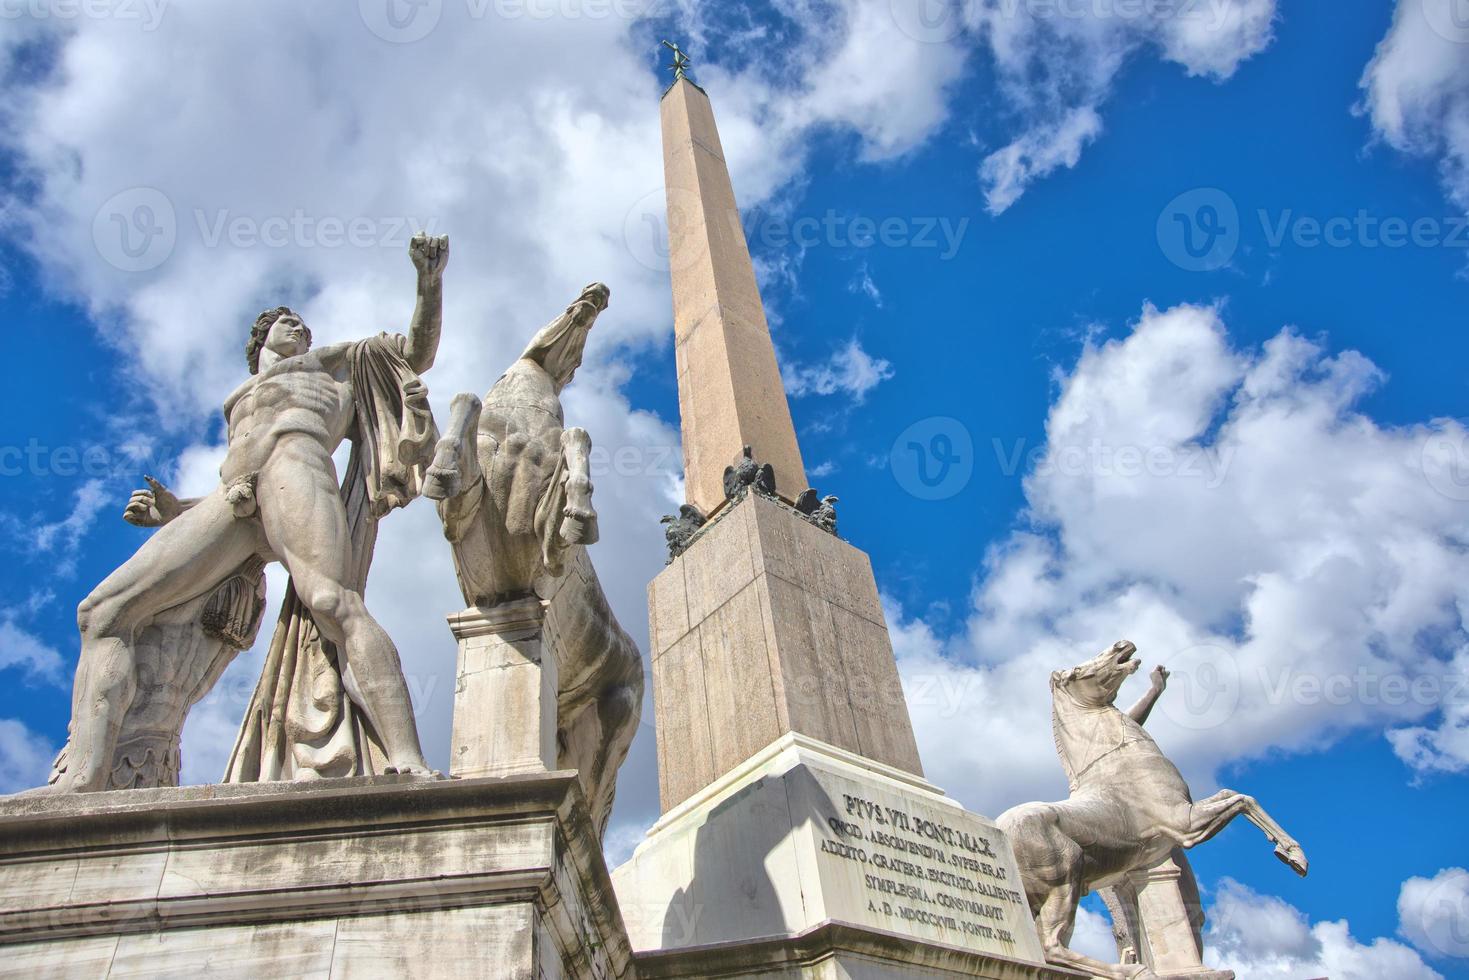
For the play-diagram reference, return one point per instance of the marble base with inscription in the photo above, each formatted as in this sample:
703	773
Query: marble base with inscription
380	876
807	855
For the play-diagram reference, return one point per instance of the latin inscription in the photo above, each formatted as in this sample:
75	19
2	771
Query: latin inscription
920	870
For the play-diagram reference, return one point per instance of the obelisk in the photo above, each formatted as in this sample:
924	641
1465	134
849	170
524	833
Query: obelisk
729	389
798	833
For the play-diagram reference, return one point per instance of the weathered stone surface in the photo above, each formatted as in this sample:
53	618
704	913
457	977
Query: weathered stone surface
157	633
1129	810
804	834
515	497
381	876
776	627
833	951
730	392
505	695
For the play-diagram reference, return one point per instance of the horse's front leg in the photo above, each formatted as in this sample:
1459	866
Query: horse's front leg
1208	817
578	519
456	464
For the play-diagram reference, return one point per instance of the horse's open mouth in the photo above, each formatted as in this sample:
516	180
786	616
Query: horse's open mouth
1125	652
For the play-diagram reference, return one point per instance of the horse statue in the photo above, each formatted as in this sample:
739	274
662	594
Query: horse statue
1129	807
514	493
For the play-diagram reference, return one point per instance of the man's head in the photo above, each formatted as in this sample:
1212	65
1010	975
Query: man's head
1096	682
280	331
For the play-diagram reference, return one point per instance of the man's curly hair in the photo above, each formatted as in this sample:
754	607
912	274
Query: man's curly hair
261	330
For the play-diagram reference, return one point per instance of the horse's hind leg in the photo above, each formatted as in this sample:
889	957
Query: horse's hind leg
1208	817
456	463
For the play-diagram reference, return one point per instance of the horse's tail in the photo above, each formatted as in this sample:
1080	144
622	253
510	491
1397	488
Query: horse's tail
601	682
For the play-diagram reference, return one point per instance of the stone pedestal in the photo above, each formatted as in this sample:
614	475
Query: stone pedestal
767	625
366	877
806	855
505	695
1168	934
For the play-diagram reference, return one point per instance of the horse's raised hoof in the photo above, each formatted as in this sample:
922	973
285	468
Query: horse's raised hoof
1295	857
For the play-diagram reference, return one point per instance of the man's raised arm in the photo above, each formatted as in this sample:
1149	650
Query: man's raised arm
430	254
1144	706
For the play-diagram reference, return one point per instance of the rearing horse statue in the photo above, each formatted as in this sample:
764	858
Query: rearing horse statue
515	496
1129	806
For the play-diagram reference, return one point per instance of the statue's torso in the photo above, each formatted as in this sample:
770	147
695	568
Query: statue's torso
310	394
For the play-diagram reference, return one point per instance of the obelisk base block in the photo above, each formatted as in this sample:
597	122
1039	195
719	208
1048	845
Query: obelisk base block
805	853
378	876
505	695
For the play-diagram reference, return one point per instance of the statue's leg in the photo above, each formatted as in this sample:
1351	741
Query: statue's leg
1056	921
1208	817
579	519
456	464
185	558
306	524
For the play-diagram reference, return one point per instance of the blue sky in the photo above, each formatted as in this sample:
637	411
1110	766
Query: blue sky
1246	460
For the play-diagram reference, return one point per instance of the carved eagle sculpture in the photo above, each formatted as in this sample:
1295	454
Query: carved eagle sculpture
817	509
746	473
681	528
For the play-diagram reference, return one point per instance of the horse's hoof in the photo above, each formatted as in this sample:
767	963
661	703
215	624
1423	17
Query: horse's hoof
1294	857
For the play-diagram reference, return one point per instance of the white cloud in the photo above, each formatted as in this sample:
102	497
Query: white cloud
1433	913
1299	567
19	648
850	371
62	538
1007	172
25	757
1057	63
1416	88
1265	938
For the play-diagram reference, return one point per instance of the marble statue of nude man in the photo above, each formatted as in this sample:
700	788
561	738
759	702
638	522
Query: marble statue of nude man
278	498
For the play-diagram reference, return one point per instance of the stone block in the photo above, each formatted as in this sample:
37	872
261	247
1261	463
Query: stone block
802	836
363	877
779	629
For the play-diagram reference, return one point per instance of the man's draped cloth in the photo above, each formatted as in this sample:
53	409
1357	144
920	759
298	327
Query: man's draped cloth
302	723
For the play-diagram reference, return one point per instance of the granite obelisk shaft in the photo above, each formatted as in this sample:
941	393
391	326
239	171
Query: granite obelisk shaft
729	387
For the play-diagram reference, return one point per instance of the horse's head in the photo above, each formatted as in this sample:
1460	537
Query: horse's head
1095	683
